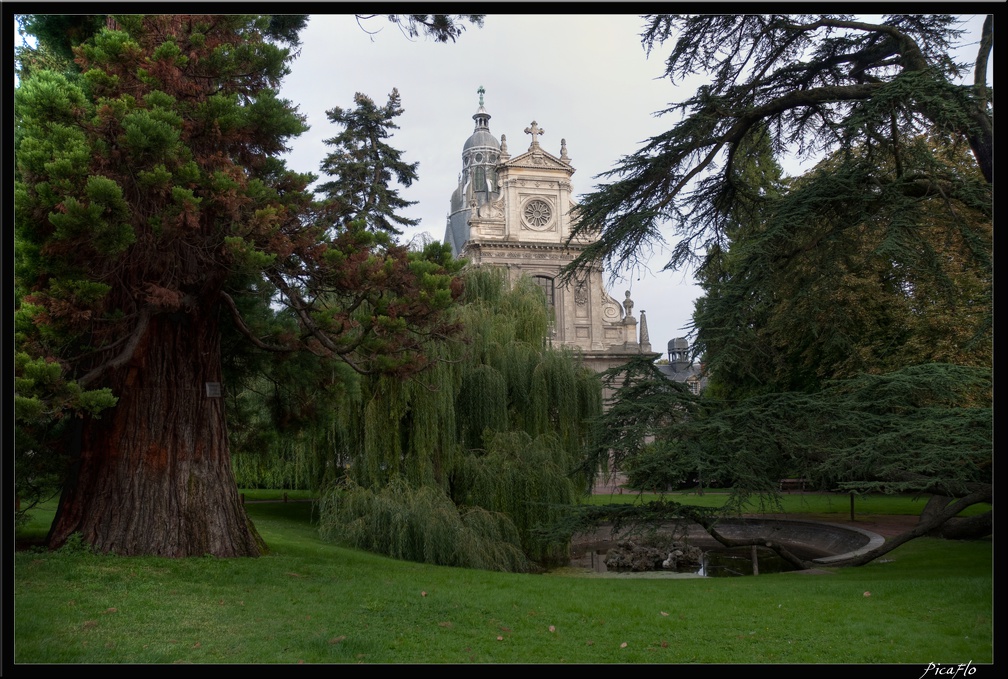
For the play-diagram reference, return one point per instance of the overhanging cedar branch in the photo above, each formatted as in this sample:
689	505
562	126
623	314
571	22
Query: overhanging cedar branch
780	89
927	524
745	122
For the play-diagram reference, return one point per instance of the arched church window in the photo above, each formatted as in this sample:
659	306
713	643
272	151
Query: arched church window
545	284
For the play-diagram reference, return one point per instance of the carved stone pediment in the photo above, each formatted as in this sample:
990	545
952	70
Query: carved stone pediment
537	160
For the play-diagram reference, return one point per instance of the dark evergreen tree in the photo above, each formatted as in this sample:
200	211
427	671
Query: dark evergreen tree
814	84
834	302
813	289
362	166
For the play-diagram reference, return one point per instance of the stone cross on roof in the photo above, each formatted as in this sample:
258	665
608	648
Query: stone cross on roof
535	131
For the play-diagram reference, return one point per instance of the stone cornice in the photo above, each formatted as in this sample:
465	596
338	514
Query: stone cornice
612	353
523	245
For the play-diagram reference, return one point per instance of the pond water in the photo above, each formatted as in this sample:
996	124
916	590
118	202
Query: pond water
807	540
716	563
720	563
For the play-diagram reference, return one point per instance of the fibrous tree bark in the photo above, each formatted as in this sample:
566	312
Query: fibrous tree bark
153	474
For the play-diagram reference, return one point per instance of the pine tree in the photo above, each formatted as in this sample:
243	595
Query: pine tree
362	166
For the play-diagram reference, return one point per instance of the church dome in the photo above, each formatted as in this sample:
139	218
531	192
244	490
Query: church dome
481	139
481	136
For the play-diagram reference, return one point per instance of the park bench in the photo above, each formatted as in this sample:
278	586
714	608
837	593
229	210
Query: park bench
792	484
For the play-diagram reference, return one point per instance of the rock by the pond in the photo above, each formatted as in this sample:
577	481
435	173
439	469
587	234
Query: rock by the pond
633	557
685	557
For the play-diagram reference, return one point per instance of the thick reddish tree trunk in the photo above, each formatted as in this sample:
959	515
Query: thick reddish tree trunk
153	474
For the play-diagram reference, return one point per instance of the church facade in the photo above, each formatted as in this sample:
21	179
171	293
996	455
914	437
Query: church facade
514	212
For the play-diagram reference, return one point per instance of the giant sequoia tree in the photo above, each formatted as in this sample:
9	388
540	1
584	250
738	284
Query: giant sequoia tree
152	213
836	302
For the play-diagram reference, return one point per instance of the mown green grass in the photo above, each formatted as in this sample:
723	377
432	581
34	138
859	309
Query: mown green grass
793	503
308	601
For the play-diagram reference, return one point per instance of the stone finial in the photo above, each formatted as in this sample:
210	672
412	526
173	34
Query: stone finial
629	326
535	131
563	151
504	155
628	305
481	92
644	339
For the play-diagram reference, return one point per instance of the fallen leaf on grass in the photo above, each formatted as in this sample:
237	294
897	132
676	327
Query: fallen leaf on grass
112	610
423	593
623	645
552	628
867	593
90	624
444	624
500	638
664	613
336	640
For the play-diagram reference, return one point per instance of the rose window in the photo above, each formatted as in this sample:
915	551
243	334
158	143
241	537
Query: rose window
537	214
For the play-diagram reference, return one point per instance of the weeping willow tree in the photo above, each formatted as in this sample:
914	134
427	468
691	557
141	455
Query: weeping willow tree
460	464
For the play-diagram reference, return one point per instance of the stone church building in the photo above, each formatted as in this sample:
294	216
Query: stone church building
514	212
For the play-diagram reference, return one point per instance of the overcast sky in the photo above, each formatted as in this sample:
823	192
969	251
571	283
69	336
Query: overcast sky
583	78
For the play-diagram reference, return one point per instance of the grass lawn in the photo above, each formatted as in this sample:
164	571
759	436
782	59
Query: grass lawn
794	503
313	602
